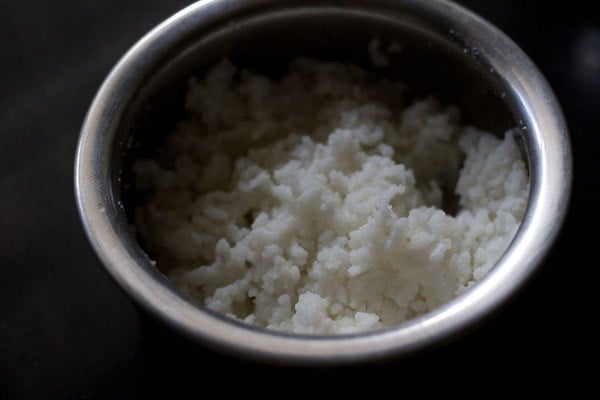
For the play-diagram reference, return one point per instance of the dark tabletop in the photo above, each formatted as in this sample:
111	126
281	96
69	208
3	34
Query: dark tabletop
66	329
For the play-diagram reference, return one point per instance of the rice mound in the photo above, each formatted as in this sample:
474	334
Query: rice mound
313	203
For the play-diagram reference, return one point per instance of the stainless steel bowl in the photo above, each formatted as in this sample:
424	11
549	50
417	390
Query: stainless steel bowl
446	50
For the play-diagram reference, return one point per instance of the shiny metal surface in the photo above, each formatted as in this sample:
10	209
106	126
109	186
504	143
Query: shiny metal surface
448	50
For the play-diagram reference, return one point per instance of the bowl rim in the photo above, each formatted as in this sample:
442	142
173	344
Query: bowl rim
551	177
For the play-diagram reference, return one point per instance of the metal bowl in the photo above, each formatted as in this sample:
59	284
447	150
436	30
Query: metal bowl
446	51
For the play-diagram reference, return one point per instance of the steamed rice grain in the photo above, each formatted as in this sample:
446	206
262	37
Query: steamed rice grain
314	203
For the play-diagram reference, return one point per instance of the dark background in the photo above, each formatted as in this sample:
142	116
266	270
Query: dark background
67	331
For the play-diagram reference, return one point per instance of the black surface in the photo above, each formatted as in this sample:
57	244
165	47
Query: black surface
67	331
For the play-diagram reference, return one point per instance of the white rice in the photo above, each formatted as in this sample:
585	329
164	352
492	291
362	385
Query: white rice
332	222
